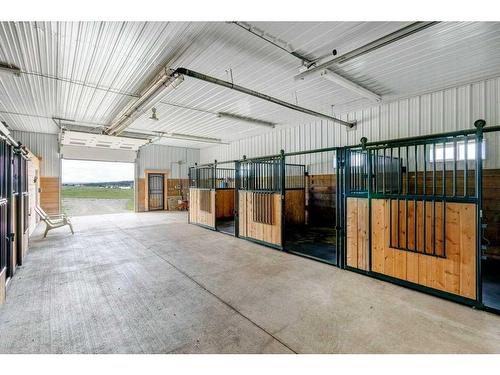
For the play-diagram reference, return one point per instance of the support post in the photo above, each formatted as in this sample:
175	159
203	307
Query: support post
283	193
479	124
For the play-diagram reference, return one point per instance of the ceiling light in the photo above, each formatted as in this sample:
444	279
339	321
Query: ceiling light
385	40
341	81
10	68
250	120
167	82
188	137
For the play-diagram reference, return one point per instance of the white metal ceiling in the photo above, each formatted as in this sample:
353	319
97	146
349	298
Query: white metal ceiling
87	71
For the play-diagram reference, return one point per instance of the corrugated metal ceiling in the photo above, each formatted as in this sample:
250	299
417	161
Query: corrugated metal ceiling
87	71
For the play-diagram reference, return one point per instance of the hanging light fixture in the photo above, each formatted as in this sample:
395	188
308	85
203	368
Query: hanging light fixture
153	114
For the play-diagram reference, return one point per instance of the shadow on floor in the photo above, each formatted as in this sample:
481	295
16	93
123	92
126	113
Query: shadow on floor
313	241
491	283
225	225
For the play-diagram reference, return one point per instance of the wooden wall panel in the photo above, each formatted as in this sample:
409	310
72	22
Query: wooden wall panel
454	274
141	195
198	216
177	187
224	203
357	233
295	207
262	232
49	194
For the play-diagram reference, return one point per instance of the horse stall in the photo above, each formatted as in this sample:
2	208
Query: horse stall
13	229
412	212
202	196
260	190
311	196
225	198
263	189
490	220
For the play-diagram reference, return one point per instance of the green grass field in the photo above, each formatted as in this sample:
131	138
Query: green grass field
99	193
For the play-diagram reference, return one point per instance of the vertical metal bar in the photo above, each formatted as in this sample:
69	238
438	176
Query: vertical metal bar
344	190
443	251
424	202
454	166
369	197
434	224
444	169
466	164
407	189
237	185
415	148
190	171
391	191
400	182
283	193
383	175
390	223
479	124
425	171
338	208
434	169
415	238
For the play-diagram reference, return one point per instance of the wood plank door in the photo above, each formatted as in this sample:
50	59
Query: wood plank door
156	191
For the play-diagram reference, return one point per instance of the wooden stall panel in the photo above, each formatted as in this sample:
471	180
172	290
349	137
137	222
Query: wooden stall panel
141	195
196	214
455	273
357	233
49	196
33	189
224	203
270	233
295	207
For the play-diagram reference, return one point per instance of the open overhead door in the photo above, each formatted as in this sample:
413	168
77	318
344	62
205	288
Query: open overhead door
98	147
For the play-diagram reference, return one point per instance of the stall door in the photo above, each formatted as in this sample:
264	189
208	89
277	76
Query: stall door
156	191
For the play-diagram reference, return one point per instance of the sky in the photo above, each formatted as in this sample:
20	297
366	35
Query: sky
77	171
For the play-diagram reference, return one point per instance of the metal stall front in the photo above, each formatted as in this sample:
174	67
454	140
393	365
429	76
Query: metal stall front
5	193
412	212
260	200
202	196
21	199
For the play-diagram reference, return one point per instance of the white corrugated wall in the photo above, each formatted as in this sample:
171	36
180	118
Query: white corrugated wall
44	145
167	157
440	111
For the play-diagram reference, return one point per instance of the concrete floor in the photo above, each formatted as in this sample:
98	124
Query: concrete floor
151	283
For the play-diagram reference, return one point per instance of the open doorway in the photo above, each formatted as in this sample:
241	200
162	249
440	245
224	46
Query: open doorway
490	222
97	187
315	235
225	182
